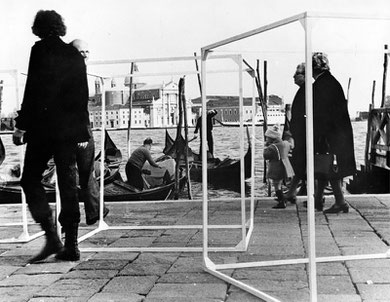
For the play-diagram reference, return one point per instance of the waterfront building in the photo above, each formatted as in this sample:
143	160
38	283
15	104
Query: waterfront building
153	106
228	108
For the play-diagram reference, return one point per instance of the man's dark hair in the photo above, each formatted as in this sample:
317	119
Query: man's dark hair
48	23
148	141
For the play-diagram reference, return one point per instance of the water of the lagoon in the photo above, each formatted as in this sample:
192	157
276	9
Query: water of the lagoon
226	142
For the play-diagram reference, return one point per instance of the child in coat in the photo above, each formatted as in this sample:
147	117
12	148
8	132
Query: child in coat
279	167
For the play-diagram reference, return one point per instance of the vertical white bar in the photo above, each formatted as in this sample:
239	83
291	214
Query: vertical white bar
252	144
242	164
102	153
310	161
204	157
58	205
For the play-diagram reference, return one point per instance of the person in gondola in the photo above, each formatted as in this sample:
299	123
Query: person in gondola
332	132
279	167
209	131
53	120
85	157
136	162
298	132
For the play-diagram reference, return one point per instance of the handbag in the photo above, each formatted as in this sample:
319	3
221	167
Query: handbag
325	164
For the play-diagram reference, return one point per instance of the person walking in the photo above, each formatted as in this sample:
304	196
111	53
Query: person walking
52	121
332	132
279	167
298	132
85	158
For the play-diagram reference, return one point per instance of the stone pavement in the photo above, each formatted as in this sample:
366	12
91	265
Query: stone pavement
179	276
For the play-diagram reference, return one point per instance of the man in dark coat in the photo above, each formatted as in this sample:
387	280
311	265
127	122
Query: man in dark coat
53	120
209	131
89	192
332	127
298	132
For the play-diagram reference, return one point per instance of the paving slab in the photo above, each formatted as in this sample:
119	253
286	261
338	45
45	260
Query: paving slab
73	288
30	280
130	285
112	297
196	290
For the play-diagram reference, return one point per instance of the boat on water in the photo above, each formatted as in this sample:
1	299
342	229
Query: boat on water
159	184
115	189
10	190
156	187
225	173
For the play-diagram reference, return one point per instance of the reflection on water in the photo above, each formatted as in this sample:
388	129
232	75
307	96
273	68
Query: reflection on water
226	143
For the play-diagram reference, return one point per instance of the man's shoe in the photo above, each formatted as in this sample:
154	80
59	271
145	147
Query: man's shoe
293	200
70	251
53	243
92	221
335	209
280	205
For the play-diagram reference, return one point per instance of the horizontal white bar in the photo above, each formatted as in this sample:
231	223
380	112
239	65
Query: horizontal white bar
291	20
332	15
188	72
157	227
151	60
302	261
157	249
185	200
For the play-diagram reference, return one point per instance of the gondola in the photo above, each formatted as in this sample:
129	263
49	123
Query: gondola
221	173
10	191
159	184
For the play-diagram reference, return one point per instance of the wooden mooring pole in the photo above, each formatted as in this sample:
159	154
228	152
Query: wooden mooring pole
385	63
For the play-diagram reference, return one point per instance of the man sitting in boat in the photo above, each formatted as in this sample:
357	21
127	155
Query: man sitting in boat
136	161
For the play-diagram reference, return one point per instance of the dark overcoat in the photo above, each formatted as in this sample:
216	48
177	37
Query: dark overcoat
55	103
331	122
298	131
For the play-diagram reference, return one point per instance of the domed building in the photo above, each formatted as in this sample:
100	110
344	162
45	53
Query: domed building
153	106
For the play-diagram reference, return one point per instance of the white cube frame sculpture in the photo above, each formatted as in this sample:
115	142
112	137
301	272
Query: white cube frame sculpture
306	20
25	235
246	225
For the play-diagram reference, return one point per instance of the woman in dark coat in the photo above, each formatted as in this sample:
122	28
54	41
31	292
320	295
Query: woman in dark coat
332	130
53	120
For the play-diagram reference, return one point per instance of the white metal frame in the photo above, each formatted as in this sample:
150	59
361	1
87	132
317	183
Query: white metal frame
306	20
246	225
25	235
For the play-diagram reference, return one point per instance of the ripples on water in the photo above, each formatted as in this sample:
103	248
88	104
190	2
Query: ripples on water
226	143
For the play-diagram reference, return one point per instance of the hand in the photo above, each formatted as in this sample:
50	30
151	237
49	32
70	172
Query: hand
17	137
146	171
82	145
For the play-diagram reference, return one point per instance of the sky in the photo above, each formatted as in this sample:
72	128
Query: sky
129	29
